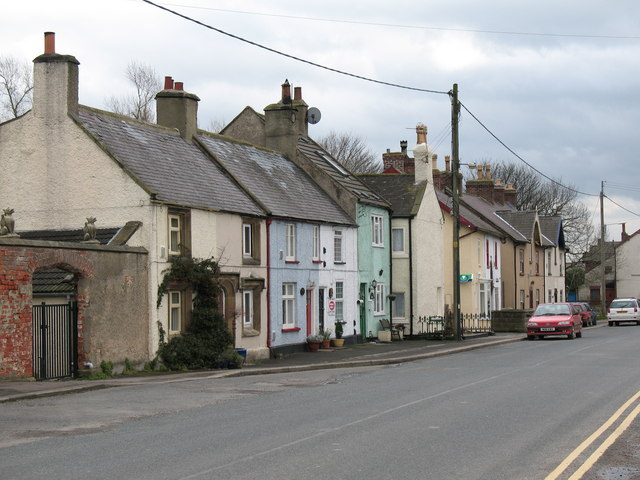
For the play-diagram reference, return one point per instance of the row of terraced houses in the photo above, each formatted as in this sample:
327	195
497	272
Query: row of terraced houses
97	205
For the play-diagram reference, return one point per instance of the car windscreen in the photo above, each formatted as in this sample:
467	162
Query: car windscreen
551	310
623	304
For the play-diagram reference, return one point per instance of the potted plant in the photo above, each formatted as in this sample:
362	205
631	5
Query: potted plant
313	342
326	338
339	341
230	358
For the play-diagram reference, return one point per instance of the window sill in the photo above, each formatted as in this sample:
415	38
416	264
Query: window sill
291	261
250	261
339	263
290	330
316	261
250	332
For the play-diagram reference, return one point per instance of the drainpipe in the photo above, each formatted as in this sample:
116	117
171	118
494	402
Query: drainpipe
410	278
269	283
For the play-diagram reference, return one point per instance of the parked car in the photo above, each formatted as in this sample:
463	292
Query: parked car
623	310
555	319
585	314
594	314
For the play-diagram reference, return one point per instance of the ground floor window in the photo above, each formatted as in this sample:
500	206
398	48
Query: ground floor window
175	311
288	305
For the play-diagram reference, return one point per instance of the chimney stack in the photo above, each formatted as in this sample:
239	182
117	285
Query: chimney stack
177	109
510	195
403	146
55	82
498	192
286	121
483	186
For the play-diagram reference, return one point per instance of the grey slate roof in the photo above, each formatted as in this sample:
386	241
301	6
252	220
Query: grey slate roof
521	221
276	182
490	212
469	216
551	228
175	170
323	160
399	190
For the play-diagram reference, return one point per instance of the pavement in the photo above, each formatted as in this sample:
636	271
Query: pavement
353	355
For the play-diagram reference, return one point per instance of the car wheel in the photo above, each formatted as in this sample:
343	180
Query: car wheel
570	336
617	324
531	337
611	324
579	334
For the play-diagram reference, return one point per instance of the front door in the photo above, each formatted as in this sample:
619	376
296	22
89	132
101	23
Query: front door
309	312
321	308
363	310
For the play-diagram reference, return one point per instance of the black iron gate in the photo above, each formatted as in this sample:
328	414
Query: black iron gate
55	341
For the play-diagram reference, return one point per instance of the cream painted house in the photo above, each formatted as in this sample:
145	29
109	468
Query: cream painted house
63	162
417	225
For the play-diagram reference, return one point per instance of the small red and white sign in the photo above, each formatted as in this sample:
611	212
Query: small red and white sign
332	305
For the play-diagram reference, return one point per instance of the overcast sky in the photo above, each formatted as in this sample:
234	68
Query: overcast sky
556	81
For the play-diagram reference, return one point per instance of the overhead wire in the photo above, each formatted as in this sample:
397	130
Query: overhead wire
380	82
293	57
413	27
623	208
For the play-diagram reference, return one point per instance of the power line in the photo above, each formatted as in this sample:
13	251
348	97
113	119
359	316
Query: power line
625	209
522	159
308	62
395	85
413	27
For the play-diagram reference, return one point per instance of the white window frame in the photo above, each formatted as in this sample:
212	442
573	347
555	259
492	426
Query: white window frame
339	302
290	242
316	243
175	311
394	250
174	244
247	240
379	300
338	246
247	308
377	230
288	305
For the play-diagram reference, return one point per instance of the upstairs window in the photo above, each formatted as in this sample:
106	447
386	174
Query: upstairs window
179	239
397	240
338	256
250	241
521	257
316	243
290	242
175	234
377	231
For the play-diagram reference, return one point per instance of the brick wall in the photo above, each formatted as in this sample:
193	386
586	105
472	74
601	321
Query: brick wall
102	272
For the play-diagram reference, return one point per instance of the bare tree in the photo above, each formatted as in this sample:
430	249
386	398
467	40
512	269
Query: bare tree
550	198
351	151
16	87
139	105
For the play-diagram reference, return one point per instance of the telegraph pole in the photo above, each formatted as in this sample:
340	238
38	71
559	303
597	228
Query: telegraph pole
455	116
603	283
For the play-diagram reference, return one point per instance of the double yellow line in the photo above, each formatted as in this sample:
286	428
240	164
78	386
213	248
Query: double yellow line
593	458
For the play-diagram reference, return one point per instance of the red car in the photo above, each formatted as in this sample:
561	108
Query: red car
555	319
585	313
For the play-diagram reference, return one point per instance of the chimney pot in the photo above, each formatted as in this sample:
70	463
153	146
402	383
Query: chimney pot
487	170
297	93
49	42
480	172
168	83
403	146
286	92
447	162
421	130
179	85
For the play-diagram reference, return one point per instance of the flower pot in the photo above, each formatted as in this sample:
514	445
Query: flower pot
313	346
338	342
326	343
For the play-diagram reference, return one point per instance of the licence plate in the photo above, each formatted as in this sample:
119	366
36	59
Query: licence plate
621	311
547	329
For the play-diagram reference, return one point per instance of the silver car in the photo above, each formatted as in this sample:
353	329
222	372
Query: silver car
624	310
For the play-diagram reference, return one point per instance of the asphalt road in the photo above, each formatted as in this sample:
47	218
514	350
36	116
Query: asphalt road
515	411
